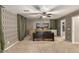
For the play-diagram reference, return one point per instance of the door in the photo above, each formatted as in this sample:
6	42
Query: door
21	25
75	29
63	26
0	31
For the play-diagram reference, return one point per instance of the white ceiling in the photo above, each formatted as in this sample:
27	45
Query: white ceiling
56	10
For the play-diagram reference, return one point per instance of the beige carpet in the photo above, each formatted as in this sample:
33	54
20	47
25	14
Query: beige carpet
29	46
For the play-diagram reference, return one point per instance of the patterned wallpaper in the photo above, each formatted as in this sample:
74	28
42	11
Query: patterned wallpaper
68	33
9	23
53	24
68	29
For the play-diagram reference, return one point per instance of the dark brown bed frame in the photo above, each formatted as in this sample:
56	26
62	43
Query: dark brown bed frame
43	35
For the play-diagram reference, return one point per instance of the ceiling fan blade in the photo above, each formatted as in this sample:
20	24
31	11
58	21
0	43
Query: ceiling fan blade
60	7
33	13
37	7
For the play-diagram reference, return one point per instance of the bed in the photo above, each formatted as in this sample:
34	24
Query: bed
43	35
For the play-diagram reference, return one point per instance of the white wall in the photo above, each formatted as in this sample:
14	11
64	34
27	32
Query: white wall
75	29
31	23
9	23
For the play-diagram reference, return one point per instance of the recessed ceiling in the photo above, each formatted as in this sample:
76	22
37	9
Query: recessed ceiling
34	11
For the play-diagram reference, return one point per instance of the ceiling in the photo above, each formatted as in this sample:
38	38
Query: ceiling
35	11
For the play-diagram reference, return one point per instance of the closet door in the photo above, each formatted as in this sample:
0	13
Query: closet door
21	27
75	29
25	25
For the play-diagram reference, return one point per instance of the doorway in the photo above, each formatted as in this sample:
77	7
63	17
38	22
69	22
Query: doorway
21	25
63	27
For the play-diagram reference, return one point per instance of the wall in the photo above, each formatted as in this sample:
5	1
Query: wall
53	24
69	24
31	23
68	29
9	24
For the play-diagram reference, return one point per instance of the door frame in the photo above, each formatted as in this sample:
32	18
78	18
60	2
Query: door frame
21	24
63	20
2	42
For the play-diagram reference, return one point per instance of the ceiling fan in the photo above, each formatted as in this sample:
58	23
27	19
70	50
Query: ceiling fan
46	13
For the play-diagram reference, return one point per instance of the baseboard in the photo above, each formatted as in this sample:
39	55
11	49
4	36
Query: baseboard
75	42
11	45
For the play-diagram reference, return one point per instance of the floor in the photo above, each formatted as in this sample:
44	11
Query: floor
58	46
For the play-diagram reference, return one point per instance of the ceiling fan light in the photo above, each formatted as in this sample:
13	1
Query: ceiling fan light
48	16
44	13
26	10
